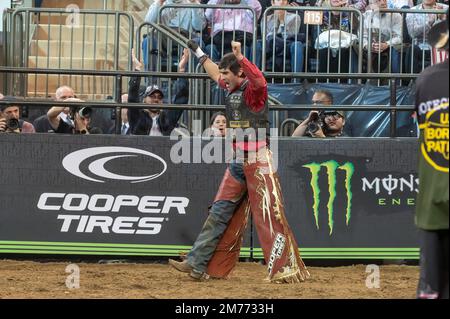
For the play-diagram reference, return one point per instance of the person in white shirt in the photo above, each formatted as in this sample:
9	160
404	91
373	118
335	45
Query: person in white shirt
419	25
400	4
384	31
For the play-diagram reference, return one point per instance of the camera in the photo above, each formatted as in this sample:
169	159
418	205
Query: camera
316	123
85	112
12	124
82	112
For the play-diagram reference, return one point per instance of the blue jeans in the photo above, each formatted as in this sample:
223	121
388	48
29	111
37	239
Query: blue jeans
417	59
217	222
294	54
391	54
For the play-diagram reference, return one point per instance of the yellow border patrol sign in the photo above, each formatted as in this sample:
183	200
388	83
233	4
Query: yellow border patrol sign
435	143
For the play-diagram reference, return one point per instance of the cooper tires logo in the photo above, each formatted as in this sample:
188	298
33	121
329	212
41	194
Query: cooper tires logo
98	173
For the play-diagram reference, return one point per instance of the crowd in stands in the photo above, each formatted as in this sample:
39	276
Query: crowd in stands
391	42
398	42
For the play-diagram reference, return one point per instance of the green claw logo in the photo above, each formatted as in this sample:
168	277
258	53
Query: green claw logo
331	167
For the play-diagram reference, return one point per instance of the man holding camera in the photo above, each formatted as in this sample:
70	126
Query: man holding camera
10	121
42	124
324	123
76	122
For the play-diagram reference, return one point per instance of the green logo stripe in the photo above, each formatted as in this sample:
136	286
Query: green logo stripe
315	169
331	168
349	168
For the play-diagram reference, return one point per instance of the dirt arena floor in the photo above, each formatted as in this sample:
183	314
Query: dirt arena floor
25	279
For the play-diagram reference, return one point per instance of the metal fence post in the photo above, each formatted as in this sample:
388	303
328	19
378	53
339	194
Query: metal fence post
118	99
393	113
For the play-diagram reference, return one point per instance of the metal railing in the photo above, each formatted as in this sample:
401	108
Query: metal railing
201	88
408	51
68	38
288	126
323	56
117	103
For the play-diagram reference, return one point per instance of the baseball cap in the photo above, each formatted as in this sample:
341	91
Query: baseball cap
7	99
152	89
438	35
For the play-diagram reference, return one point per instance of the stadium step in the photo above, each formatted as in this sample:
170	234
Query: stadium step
88	33
91	46
74	63
81	84
87	19
121	5
56	48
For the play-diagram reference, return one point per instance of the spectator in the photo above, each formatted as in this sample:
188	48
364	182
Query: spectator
10	121
419	56
282	37
218	125
186	21
231	24
78	120
357	4
337	35
125	127
324	123
400	4
155	122
385	31
264	5
42	123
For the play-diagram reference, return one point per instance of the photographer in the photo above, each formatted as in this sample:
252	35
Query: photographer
42	124
77	121
326	123
10	121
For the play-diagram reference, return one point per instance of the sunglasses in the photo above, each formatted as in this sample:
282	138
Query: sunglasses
333	115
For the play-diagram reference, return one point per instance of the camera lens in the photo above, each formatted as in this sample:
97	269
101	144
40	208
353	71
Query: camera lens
85	112
13	124
313	127
314	116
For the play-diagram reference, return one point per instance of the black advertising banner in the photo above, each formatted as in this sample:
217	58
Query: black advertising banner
107	195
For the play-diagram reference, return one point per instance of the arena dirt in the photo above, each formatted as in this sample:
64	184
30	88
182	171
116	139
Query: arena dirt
24	279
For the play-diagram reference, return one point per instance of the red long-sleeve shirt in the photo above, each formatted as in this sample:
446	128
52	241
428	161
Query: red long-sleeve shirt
255	95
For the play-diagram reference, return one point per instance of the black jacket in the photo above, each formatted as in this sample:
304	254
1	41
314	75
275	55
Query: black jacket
141	123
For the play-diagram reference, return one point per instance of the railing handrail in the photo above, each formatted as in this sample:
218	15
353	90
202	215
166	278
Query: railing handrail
45	103
116	13
81	11
364	76
421	11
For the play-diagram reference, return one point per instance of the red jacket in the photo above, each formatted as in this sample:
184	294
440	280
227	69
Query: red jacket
255	95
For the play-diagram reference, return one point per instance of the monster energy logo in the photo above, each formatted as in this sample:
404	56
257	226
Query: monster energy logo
331	167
